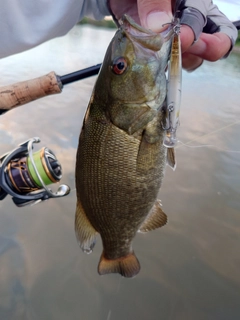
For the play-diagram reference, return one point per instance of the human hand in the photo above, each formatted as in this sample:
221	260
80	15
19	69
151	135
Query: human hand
153	14
211	47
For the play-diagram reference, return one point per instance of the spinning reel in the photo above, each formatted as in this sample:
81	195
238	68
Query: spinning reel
24	175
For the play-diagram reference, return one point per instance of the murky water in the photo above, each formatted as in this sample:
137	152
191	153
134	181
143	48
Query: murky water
190	268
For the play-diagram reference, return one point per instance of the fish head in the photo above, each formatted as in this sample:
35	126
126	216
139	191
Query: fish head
134	65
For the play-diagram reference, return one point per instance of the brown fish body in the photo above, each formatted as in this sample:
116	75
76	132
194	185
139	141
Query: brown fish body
121	157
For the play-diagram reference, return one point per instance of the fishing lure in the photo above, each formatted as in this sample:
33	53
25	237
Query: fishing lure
174	88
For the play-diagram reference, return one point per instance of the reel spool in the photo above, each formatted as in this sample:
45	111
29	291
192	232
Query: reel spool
25	175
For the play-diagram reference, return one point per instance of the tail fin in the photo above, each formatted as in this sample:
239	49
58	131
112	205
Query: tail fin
127	266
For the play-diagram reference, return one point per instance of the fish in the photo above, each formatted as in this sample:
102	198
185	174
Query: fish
121	158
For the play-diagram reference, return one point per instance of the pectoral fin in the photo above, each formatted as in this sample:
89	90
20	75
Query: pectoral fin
171	158
85	232
156	219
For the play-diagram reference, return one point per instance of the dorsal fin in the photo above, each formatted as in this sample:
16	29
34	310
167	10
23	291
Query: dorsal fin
155	219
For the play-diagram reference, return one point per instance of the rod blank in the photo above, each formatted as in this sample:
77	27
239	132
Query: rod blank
80	74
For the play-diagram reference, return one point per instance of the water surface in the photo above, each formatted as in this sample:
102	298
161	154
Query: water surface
190	268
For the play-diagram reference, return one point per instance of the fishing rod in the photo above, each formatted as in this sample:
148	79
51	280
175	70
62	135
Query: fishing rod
25	175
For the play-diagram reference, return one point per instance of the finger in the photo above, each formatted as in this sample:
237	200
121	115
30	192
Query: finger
154	14
187	37
211	47
125	6
191	62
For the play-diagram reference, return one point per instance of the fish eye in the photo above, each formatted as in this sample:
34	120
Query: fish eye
119	65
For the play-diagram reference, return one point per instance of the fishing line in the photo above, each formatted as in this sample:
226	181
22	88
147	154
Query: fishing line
209	134
109	314
207	145
117	292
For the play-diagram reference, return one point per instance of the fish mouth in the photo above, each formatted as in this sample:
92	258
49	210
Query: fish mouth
145	37
138	34
127	22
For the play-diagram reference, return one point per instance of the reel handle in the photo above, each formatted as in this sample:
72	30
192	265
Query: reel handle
26	91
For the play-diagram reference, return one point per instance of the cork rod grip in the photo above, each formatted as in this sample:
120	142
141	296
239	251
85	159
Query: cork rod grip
23	92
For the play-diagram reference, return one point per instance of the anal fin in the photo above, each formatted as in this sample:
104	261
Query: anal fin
85	233
128	266
155	219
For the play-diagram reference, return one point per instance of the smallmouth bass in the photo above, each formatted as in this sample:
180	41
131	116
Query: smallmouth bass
121	157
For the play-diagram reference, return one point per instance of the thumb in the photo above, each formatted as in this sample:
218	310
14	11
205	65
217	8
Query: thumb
154	14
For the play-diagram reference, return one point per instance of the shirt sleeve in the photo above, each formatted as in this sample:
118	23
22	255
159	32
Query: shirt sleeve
27	23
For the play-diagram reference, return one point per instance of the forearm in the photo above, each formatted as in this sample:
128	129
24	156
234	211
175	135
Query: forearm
25	24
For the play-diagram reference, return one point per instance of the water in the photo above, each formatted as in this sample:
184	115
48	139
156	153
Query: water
190	268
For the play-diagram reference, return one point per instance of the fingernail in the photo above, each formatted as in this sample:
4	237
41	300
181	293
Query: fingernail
156	20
